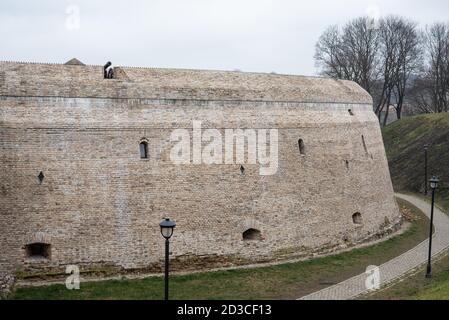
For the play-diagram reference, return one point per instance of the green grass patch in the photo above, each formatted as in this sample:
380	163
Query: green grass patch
404	143
286	281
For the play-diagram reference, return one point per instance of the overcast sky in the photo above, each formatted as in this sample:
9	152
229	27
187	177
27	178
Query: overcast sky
250	35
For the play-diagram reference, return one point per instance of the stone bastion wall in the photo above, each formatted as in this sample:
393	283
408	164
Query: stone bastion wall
73	181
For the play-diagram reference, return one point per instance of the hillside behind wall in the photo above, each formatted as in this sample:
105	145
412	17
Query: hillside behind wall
100	204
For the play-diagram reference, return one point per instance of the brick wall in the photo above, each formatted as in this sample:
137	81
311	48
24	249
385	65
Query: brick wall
100	204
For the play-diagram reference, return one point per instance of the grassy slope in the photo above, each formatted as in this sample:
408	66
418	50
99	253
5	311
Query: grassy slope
288	281
404	141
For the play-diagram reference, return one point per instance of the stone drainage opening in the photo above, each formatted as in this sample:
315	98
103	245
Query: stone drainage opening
38	250
252	234
357	218
143	147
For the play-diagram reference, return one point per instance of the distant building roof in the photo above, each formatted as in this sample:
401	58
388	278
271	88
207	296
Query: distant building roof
74	62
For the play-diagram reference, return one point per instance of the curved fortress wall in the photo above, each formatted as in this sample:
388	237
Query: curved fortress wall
99	203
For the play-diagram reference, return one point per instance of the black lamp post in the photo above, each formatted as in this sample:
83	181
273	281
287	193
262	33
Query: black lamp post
426	147
167	227
433	185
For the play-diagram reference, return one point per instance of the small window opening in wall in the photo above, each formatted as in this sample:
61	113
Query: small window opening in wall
38	250
357	218
242	170
350	112
364	144
301	146
252	234
143	150
41	177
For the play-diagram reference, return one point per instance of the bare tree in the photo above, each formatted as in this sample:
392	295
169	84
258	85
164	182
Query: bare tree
410	61
349	53
401	40
420	99
329	54
437	45
389	56
382	60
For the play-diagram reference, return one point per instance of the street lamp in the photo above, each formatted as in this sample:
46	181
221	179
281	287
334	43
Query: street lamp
167	227
426	147
433	185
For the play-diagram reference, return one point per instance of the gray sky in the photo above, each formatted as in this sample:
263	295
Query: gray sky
250	35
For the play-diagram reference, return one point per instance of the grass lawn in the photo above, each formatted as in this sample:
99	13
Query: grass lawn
287	281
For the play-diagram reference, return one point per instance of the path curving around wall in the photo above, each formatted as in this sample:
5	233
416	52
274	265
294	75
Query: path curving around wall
397	267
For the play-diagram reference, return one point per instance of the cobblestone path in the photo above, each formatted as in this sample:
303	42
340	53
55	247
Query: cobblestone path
397	267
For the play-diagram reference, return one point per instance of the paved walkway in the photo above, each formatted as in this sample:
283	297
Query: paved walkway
397	267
